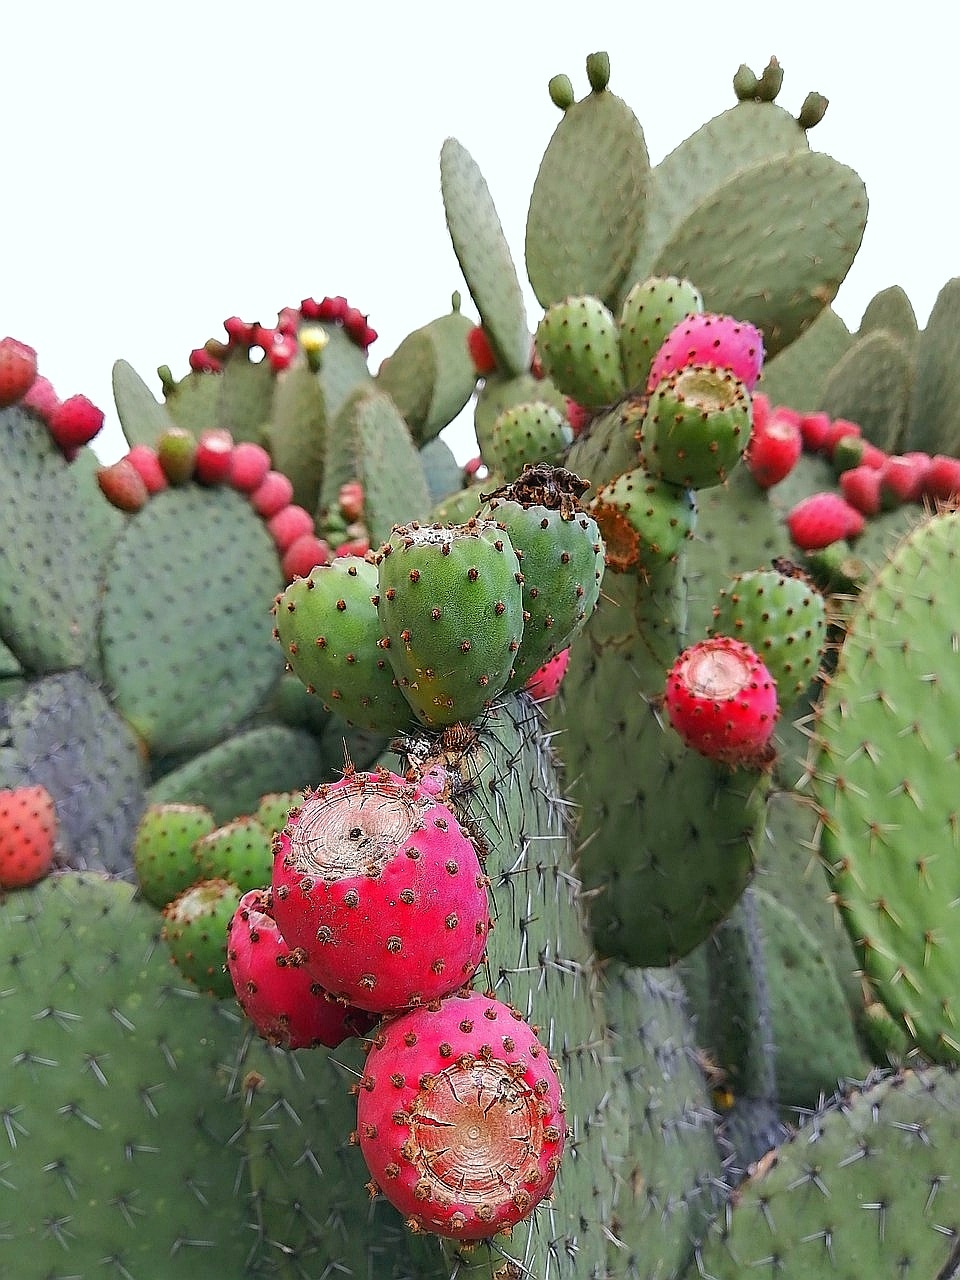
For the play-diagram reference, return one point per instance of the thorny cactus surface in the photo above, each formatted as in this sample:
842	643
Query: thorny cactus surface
547	989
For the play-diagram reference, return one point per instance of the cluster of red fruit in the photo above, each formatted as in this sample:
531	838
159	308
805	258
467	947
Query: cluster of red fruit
280	343
72	422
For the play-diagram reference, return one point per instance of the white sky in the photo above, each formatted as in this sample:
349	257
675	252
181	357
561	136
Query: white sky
167	165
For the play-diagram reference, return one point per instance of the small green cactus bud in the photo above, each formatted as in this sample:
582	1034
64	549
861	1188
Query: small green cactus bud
813	110
561	91
745	83
770	82
455	301
598	71
167	381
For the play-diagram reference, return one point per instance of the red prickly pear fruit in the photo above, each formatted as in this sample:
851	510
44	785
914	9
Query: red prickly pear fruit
715	341
821	519
333	308
367	338
28	835
903	478
145	460
815	429
354	547
289	524
722	701
355	324
249	464
41	398
943	478
577	416
861	488
382	886
239	331
460	1117
762	410
177	450
350	500
18	370
546	680
201	361
123	486
840	429
275	987
282	352
272	494
773	449
288	321
74	422
304	555
310	309
472	466
214	458
481	352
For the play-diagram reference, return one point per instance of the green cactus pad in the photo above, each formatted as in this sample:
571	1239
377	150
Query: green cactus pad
63	733
587	208
442	472
934	419
51	550
779	283
163	849
499	394
239	398
239	852
579	345
296	435
892	310
459	507
795	376
885	763
369	442
644	521
862	1190
195	929
743	136
650	310
696	427
871	385
141	415
230	778
484	256
430	376
530	433
451	608
330	632
185	631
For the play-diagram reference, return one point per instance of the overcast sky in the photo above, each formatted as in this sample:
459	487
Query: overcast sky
167	165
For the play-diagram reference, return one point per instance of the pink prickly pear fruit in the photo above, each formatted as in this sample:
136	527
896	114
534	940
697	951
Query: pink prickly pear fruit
376	879
272	494
282	352
546	680
861	488
903	478
358	546
821	519
145	460
28	834
74	422
177	450
481	352
460	1117
214	456
350	500
840	429
123	486
943	478
774	448
304	555
717	341
249	464
577	416
41	398
239	331
290	523
722	701
202	361
18	370
333	308
815	429
275	987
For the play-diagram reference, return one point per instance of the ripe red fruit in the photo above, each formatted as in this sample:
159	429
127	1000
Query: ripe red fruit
354	547
18	370
460	1117
201	361
773	449
577	416
145	460
28	834
41	398
903	478
249	464
75	422
272	494
123	486
840	429
282	351
943	478
275	987
546	680
861	488
821	519
333	308
214	459
722	701
481	352
350	500
239	331
303	556
815	429
290	523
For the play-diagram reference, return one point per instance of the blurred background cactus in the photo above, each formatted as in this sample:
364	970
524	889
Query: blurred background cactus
744	965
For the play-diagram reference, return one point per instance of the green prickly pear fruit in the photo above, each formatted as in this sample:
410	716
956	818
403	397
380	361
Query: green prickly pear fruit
163	849
813	110
239	852
274	809
598	71
745	83
696	427
579	347
770	82
195	928
782	616
530	433
330	633
561	555
650	310
177	451
450	601
644	521
561	91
